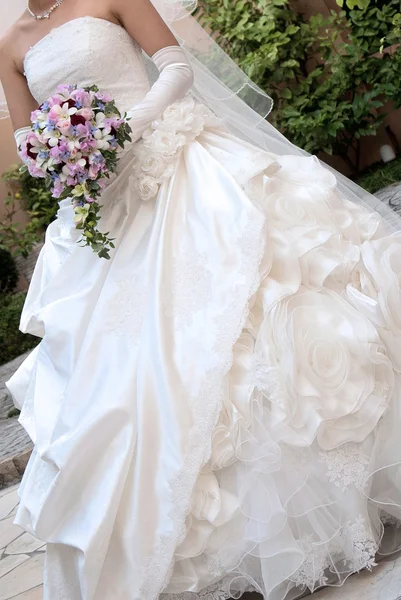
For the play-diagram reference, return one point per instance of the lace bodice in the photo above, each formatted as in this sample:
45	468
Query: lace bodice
87	51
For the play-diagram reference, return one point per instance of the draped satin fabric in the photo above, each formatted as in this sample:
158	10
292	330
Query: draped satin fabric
217	407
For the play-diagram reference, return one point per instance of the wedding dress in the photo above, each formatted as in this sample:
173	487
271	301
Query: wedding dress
217	407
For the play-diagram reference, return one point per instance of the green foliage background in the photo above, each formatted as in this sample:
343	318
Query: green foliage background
12	341
326	75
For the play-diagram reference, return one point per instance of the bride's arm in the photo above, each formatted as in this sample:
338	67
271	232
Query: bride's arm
19	99
144	24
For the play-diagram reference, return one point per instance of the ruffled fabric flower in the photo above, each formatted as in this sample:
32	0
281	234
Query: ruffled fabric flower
161	144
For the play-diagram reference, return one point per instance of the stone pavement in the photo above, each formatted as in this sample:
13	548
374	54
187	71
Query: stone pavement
22	561
21	556
15	444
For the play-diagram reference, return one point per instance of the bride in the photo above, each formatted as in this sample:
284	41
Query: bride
215	409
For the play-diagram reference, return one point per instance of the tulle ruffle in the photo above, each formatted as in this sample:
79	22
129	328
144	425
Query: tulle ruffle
305	465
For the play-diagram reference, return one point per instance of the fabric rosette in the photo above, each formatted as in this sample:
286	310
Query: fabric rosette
344	378
73	144
157	152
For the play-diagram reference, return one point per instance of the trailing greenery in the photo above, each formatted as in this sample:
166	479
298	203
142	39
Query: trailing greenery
30	194
326	75
12	341
8	272
380	175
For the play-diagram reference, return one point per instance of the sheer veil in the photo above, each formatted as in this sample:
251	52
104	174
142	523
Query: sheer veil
227	91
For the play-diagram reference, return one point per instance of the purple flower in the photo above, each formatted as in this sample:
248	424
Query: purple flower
103	97
57	189
51	124
35	171
88	145
82	97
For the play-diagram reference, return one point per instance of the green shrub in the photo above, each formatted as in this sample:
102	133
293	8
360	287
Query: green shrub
8	272
12	341
30	194
326	75
380	175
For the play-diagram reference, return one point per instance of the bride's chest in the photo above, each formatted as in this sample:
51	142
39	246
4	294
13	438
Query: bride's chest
88	51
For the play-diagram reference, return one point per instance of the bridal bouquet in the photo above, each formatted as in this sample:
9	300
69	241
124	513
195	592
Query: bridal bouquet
73	144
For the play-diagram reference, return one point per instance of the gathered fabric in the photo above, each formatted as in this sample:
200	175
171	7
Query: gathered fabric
216	408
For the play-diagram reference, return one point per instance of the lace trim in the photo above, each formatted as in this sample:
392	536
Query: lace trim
347	466
190	287
354	548
210	397
126	309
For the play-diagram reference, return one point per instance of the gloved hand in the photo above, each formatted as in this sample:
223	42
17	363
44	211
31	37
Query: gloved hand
20	135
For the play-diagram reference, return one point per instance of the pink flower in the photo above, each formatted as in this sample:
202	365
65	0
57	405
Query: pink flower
57	189
103	97
55	152
63	125
35	115
87	145
87	113
94	171
55	100
65	90
82	96
83	129
35	171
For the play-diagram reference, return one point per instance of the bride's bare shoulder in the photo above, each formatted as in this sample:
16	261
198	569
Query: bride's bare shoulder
10	42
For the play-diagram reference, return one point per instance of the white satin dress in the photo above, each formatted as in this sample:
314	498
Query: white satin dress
216	408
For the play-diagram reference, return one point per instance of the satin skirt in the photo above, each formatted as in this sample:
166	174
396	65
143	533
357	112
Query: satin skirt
217	407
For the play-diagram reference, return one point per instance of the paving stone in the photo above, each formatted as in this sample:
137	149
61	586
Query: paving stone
8	532
24	578
25	544
13	439
391	196
6	371
8	563
8	490
15	449
7	503
34	594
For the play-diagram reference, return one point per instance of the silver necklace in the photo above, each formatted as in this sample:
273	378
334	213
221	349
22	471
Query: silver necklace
46	14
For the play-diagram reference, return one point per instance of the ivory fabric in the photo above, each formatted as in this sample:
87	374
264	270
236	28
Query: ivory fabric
217	407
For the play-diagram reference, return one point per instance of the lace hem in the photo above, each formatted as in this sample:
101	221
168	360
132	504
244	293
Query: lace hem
228	330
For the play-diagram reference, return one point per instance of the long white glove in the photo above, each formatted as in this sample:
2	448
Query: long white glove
20	135
175	79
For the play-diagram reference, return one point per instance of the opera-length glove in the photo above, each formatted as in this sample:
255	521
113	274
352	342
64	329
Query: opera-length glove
175	80
20	135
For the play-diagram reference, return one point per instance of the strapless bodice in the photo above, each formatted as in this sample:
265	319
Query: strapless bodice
87	51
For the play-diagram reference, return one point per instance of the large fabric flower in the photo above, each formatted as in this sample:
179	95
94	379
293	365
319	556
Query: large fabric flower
335	376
